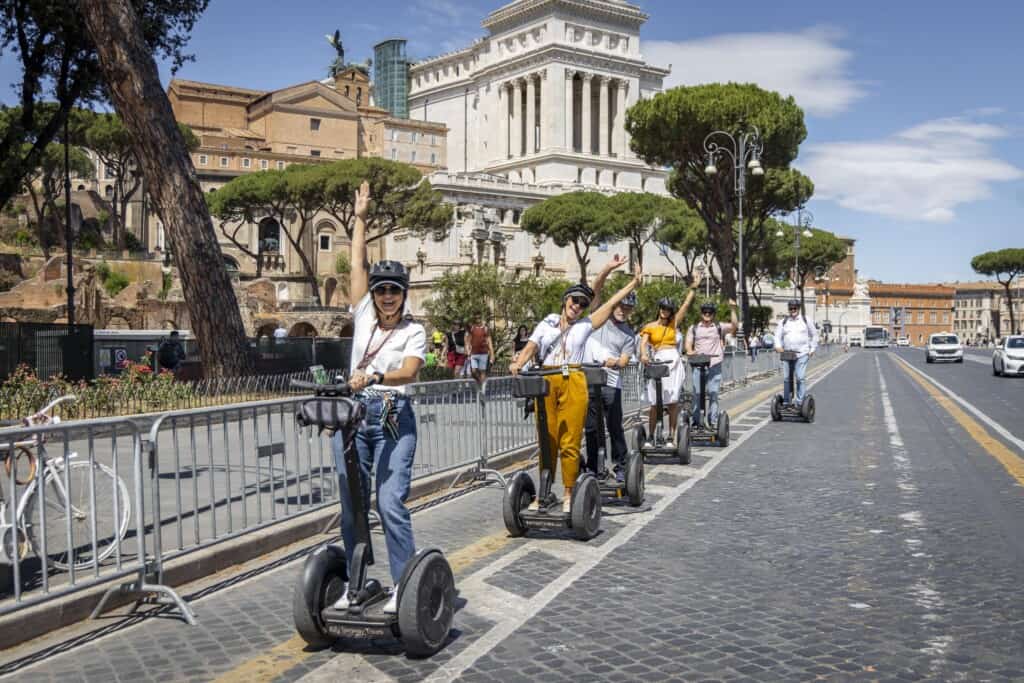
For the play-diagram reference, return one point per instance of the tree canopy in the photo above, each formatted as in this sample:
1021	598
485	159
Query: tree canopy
581	220
1005	265
60	68
45	187
670	129
818	254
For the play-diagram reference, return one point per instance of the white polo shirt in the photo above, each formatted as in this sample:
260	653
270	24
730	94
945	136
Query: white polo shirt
555	348
407	339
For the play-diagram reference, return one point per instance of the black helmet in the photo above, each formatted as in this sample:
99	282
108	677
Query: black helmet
708	307
793	303
389	273
628	300
578	289
667	303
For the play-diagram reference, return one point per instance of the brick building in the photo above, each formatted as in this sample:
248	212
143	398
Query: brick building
922	309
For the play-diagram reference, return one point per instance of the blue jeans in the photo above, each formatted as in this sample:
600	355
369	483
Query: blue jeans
392	460
714	384
801	372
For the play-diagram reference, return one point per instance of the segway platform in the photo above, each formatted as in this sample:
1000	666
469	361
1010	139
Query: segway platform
705	433
632	486
780	410
657	371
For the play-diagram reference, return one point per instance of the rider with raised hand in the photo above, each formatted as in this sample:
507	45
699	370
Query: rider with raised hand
794	333
614	346
561	339
658	339
387	352
707	337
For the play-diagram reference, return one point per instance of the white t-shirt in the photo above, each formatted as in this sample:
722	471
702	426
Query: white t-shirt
597	353
407	339
556	349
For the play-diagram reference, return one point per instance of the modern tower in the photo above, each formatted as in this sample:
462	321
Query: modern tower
391	77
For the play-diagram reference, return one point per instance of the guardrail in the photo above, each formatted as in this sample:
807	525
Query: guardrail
110	499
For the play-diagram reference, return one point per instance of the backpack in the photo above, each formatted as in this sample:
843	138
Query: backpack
692	332
167	355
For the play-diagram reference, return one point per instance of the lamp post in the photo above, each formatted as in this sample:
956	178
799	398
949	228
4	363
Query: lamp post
744	151
705	270
804	219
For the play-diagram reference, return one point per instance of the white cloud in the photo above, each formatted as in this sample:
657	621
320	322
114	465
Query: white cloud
809	65
921	173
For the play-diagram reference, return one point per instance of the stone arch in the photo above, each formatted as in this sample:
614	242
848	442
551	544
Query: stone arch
266	329
81	188
117	322
270	236
348	330
302	329
330	287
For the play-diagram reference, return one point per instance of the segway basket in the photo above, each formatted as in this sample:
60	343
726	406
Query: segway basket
656	371
595	376
529	386
698	359
788	355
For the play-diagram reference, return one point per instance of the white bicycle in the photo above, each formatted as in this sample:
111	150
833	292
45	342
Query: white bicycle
78	494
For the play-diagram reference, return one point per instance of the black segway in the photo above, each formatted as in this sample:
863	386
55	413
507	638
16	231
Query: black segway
657	371
426	591
585	516
633	487
780	409
718	433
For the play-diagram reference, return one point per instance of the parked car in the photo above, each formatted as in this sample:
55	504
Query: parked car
944	346
855	340
1008	358
903	341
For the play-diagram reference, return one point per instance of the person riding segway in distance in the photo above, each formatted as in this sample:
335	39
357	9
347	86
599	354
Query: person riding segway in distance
794	333
615	346
660	336
559	340
707	337
387	352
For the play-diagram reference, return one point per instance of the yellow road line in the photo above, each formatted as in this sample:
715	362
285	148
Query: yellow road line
1007	458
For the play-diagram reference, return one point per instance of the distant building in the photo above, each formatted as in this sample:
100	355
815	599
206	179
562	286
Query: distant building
976	309
391	77
920	310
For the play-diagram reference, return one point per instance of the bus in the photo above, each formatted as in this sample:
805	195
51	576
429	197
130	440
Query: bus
876	338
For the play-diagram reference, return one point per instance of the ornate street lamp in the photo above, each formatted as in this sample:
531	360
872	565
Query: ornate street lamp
804	219
744	152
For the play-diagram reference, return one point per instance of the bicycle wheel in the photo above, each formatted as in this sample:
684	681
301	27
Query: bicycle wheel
21	465
61	551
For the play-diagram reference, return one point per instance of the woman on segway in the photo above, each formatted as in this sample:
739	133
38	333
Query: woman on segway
660	337
707	338
387	352
561	339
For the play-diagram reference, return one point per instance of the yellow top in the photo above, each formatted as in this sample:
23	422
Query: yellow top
660	336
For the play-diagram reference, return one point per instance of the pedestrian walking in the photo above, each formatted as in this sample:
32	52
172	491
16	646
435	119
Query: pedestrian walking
387	352
481	350
456	342
170	352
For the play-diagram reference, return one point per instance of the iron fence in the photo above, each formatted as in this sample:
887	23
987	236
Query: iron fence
48	348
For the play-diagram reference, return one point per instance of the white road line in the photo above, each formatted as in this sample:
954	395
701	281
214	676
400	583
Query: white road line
998	428
583	562
913	522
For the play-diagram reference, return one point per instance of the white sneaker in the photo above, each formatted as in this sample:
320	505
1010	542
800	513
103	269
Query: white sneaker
392	605
342	602
648	444
669	445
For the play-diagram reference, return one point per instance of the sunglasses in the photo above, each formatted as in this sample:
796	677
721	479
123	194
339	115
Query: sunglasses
707	312
580	300
388	289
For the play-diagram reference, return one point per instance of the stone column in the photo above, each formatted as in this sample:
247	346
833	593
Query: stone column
632	97
585	121
517	119
551	104
602	116
619	129
570	112
531	114
503	142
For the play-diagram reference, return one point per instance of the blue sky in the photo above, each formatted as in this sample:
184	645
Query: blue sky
914	109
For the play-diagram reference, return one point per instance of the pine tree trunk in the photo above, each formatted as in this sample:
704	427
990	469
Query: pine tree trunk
134	83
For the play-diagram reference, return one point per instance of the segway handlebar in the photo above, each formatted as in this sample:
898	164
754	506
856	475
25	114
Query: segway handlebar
333	389
788	355
698	359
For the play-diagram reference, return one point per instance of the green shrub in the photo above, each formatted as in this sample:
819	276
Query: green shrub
115	283
132	243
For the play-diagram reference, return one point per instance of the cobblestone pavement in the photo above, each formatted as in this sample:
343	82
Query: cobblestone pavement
881	542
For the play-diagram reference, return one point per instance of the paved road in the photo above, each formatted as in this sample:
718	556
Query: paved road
883	542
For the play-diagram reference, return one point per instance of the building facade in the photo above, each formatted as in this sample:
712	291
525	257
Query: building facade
976	309
914	311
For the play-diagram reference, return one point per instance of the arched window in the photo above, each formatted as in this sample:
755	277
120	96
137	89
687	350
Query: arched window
270	236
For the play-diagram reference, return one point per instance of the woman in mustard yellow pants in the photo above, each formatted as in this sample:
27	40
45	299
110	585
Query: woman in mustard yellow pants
560	339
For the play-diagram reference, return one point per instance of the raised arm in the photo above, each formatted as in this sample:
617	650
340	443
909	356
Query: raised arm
603	275
601	315
681	313
642	353
359	278
524	357
733	318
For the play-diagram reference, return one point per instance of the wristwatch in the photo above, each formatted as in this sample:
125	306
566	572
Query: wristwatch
378	378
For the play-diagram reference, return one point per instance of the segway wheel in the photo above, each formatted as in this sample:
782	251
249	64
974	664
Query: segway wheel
519	493
426	606
776	408
586	508
683	442
320	584
807	408
639	436
722	433
635	484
